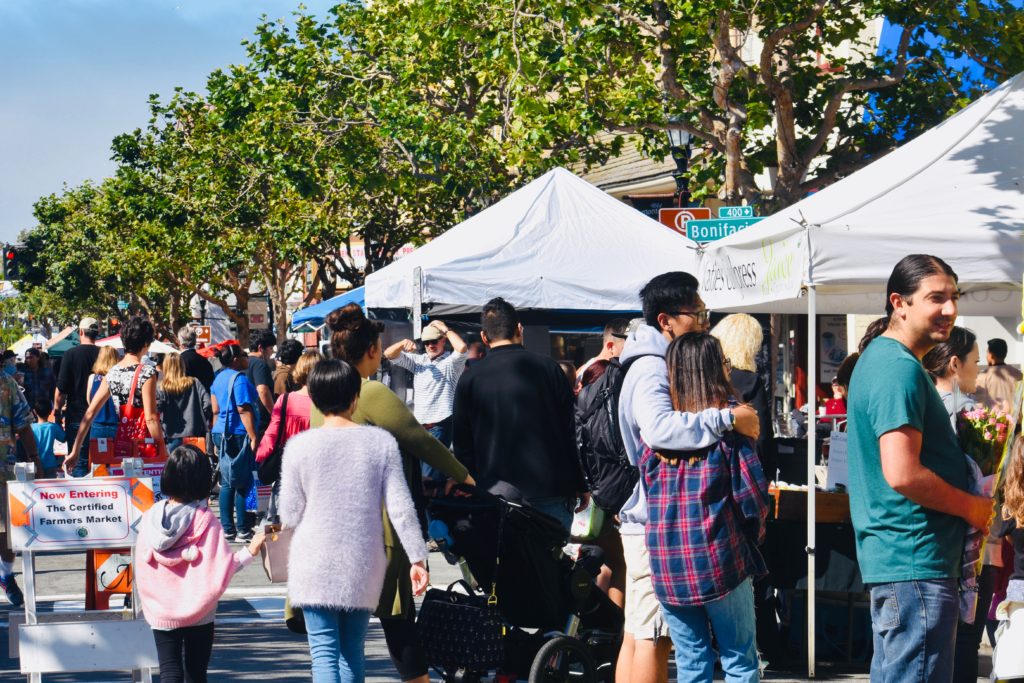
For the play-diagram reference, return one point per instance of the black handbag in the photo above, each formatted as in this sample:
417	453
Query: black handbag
269	471
460	631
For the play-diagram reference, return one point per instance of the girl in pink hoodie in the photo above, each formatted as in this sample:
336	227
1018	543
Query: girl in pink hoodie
183	566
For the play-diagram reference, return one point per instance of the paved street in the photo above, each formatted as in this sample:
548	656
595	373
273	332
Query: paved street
251	641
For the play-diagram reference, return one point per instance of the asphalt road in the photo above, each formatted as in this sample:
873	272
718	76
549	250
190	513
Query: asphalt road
252	643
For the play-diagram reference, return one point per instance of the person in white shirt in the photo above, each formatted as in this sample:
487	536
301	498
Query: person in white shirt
435	374
612	339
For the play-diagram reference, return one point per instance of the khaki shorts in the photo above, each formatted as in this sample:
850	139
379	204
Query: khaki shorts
643	611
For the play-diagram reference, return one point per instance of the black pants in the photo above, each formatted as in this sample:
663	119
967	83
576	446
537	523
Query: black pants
406	654
189	645
968	636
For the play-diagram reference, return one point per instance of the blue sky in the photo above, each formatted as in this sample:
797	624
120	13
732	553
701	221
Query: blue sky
75	73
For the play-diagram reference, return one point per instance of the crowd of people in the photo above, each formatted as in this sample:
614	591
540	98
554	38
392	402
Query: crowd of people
686	503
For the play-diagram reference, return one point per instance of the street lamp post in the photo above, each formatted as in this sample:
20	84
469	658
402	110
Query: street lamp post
679	147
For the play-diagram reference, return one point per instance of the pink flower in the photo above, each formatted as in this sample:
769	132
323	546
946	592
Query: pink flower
988	436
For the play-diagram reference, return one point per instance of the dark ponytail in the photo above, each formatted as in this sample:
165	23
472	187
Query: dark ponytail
352	333
229	353
905	279
960	343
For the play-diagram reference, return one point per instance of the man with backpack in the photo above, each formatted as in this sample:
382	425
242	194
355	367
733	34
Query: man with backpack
671	308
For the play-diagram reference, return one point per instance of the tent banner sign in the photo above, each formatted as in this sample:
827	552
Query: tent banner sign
754	273
76	514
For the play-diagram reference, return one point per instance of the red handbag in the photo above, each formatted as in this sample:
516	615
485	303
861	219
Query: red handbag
132	439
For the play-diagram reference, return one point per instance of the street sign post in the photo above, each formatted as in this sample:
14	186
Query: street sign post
717	228
204	335
676	219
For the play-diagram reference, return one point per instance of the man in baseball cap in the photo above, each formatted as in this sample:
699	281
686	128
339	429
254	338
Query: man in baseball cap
75	368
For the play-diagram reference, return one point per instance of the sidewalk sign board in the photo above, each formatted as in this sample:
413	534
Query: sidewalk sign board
76	514
80	514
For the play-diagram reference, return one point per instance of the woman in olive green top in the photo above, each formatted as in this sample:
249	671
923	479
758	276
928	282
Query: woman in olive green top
356	339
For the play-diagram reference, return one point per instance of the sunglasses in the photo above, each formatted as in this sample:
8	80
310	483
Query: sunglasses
702	315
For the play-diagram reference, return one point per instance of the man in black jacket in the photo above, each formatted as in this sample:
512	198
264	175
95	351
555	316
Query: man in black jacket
195	365
514	422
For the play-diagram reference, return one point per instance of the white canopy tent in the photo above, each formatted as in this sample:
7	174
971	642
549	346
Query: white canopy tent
556	243
957	191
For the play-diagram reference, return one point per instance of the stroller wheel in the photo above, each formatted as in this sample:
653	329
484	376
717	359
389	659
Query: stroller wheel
561	660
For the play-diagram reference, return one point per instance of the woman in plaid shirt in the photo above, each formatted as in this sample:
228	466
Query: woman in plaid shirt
706	517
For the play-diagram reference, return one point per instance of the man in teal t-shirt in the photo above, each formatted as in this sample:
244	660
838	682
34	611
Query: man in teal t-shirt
907	480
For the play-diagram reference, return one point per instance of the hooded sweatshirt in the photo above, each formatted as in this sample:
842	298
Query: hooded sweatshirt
183	564
646	413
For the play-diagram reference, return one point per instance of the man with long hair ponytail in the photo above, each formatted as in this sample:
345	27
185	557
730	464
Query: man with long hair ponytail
908	480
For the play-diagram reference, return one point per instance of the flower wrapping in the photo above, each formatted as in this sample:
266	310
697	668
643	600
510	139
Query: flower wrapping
982	433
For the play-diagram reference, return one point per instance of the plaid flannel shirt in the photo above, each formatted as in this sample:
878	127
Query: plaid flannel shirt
706	517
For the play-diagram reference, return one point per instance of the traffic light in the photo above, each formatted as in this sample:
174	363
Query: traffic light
11	263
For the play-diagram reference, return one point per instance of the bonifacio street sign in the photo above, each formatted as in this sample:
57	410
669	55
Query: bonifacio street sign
731	219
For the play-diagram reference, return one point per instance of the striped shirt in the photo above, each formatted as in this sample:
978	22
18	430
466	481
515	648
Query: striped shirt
705	520
433	383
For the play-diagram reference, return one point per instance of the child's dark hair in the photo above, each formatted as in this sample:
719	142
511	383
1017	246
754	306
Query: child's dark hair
43	407
187	476
696	373
333	385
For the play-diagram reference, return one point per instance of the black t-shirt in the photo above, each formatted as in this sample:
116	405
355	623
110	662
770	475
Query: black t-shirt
259	373
75	368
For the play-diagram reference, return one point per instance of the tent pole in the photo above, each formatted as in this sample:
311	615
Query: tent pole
417	302
812	414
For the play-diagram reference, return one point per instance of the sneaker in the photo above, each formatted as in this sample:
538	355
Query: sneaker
245	536
230	537
10	586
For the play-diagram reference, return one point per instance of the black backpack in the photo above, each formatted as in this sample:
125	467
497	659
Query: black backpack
608	472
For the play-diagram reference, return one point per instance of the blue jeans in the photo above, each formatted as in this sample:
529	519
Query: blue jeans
731	619
914	625
442	431
336	644
233	491
82	464
559	508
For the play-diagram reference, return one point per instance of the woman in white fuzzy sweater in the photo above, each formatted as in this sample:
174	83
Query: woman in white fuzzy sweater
334	482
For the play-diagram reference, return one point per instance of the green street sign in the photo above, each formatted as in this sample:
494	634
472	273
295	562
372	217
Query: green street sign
716	228
736	212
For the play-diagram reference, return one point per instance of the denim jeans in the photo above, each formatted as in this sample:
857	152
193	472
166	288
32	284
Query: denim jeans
559	508
731	620
82	464
914	625
336	644
442	431
232	494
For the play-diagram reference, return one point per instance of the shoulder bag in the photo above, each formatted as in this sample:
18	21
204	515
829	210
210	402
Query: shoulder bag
132	438
269	470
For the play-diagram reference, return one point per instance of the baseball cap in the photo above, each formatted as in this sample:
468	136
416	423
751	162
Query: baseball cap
431	334
90	325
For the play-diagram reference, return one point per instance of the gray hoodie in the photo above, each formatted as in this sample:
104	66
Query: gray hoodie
645	411
169	521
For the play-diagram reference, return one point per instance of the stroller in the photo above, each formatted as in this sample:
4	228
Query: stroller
557	624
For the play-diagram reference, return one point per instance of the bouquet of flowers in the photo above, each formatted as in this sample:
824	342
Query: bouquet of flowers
982	433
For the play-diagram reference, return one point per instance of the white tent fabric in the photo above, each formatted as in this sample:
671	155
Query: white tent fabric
956	191
556	243
156	347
